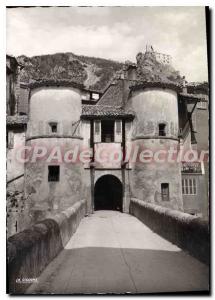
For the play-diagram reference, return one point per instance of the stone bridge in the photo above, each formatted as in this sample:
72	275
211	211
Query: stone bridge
150	250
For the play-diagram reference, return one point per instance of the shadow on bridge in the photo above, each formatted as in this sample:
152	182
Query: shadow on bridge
110	252
121	270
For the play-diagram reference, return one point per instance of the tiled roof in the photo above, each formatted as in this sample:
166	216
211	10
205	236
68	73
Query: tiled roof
17	120
164	84
113	95
192	97
103	111
198	87
53	82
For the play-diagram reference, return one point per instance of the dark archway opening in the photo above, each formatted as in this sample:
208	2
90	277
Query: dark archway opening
108	193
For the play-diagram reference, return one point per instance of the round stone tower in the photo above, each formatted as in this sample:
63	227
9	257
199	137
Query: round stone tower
53	181
156	174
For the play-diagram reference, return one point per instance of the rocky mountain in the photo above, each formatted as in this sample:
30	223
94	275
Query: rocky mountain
149	69
94	73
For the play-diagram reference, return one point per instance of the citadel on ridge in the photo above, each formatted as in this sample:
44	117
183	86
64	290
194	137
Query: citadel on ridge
147	104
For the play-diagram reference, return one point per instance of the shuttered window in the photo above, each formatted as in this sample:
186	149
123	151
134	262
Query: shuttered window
10	139
202	105
118	131
118	126
97	127
97	131
189	186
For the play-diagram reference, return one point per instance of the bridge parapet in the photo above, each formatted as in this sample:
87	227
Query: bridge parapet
30	251
189	233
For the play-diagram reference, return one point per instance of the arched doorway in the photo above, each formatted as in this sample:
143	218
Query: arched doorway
108	193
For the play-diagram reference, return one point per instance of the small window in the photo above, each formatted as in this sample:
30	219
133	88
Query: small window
95	96
162	129
189	186
84	97
202	105
53	127
165	191
53	173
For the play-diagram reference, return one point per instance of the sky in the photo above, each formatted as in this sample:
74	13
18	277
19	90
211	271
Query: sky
116	33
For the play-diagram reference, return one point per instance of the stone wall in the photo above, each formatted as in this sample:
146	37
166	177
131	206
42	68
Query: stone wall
146	177
187	232
17	215
15	167
202	137
31	250
53	104
60	106
196	204
44	196
154	106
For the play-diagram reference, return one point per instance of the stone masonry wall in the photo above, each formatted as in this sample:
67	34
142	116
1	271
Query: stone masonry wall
187	232
31	250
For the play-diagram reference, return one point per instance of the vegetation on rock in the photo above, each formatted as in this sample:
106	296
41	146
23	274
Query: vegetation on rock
94	73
